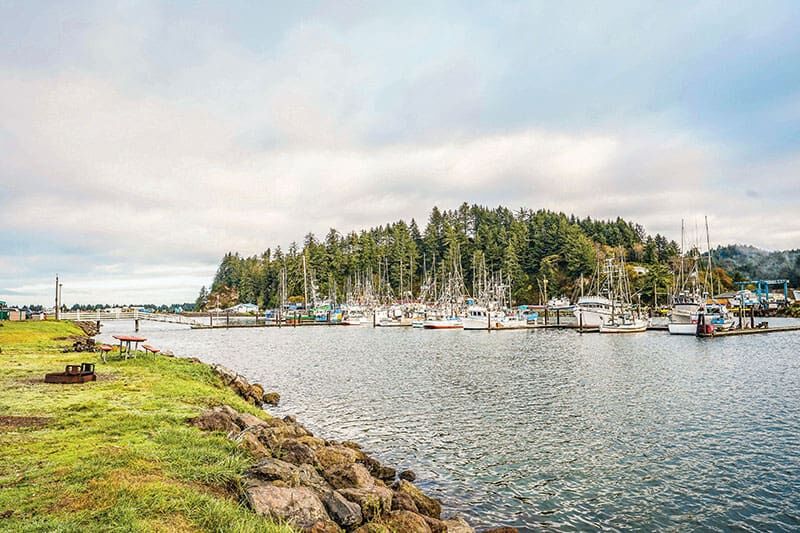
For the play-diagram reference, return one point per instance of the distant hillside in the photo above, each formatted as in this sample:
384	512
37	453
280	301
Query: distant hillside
749	262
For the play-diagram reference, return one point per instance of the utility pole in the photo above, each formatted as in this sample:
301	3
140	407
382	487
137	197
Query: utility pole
57	286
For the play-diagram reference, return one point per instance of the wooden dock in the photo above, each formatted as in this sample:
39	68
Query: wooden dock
587	329
224	325
749	331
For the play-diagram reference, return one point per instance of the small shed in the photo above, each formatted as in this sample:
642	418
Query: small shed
16	315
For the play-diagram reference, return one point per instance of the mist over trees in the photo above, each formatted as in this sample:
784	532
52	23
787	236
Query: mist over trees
748	263
525	245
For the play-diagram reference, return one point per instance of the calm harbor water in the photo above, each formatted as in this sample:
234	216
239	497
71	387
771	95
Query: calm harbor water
546	429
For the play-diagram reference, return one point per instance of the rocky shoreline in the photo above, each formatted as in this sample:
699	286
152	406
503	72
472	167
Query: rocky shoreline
314	484
318	485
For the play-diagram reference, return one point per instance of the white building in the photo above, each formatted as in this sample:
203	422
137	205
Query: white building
243	308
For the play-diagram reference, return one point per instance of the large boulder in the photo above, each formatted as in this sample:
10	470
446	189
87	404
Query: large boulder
226	374
273	470
373	501
426	505
273	432
221	418
406	521
255	394
337	455
504	529
343	511
325	526
458	525
401	501
307	476
299	506
315	443
250	442
246	420
373	527
408	475
437	526
384	473
294	451
272	398
352	475
240	385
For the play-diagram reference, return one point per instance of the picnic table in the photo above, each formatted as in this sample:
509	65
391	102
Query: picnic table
128	339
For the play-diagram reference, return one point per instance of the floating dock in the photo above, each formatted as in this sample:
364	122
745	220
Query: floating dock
263	325
749	331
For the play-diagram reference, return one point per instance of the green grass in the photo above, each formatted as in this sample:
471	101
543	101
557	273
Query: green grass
116	454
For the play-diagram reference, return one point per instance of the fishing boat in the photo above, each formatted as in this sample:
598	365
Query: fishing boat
478	317
692	305
689	299
623	317
712	313
594	310
451	322
481	318
625	323
394	317
353	315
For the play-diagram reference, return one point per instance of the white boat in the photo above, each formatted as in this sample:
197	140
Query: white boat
561	303
685	306
394	317
627	325
352	320
713	314
394	322
452	322
592	311
676	328
613	313
480	318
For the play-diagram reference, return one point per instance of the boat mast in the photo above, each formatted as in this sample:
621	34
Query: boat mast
610	267
681	280
710	266
305	283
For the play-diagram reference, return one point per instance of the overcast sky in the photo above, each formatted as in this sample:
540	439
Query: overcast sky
141	141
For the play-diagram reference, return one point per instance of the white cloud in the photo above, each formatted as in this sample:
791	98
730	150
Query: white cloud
121	171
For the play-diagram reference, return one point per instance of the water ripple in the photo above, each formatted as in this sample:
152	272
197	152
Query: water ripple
548	430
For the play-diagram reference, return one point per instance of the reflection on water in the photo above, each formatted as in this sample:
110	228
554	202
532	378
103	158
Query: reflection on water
546	428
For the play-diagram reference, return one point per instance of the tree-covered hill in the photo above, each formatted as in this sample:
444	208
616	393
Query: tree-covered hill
748	262
526	246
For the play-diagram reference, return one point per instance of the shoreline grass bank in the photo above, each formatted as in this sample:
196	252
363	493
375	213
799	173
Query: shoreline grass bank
116	454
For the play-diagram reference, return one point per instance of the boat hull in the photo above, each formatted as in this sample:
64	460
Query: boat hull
682	329
443	324
390	323
637	326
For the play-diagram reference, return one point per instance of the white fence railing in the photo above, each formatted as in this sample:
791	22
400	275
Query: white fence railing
99	315
126	315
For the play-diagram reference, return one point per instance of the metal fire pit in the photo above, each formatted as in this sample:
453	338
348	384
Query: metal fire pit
73	374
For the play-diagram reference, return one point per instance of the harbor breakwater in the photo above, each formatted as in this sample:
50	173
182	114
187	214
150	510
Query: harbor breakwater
321	485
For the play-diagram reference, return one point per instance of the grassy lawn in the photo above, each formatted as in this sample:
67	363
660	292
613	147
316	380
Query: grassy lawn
115	454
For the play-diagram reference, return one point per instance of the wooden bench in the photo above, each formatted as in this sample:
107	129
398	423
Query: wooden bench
104	349
150	349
